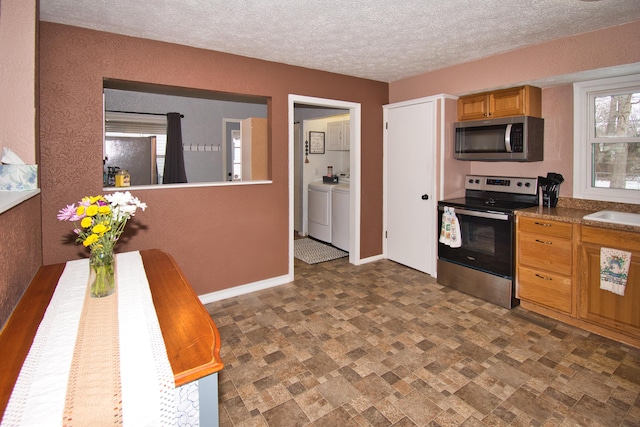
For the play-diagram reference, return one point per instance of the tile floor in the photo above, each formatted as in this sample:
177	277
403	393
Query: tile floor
383	345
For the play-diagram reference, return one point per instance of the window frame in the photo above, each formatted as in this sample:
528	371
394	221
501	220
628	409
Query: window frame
583	122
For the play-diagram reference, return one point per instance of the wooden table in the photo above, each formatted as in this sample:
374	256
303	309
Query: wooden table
191	338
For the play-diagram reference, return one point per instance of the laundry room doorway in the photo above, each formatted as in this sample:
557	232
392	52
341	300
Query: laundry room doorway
299	152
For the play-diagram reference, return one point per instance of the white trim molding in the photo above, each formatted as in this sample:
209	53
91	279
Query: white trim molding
582	122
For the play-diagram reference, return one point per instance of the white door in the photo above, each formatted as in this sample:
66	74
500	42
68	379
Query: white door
410	186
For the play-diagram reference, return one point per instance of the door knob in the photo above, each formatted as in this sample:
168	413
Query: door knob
425	197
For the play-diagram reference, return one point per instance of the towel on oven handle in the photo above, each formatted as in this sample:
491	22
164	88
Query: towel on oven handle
456	240
450	229
445	229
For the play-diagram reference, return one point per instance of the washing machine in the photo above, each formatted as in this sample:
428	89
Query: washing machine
320	210
340	214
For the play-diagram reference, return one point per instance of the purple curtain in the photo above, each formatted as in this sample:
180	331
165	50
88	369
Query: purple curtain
174	172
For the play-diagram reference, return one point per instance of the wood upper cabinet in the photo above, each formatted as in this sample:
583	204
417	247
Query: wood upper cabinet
545	263
602	307
517	101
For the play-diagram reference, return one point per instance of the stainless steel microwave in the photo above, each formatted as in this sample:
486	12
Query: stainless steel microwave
515	139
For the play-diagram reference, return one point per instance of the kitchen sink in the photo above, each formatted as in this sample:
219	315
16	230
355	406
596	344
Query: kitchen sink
615	217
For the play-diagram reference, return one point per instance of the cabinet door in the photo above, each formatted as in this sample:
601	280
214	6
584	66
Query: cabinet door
346	135
603	307
255	149
508	102
473	107
334	136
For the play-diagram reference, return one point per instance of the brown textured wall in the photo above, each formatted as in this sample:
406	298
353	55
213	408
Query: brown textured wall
220	236
20	252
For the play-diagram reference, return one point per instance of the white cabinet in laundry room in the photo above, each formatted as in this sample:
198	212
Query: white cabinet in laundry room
338	135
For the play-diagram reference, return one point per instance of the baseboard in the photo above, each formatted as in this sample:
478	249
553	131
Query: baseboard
245	289
370	259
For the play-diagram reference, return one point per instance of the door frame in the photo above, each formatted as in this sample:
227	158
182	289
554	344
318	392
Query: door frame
226	146
354	168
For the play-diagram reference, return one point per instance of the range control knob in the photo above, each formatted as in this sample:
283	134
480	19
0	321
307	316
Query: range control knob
519	184
527	184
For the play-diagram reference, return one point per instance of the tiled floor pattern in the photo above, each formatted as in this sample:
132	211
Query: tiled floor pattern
383	345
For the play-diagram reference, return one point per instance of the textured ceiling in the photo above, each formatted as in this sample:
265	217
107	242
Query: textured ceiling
383	40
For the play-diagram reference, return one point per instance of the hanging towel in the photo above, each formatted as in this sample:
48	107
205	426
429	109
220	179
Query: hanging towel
614	269
456	240
445	230
450	229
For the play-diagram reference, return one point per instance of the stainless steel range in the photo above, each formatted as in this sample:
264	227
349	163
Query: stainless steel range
484	264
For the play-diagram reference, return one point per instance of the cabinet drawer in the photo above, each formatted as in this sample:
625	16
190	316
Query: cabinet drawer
545	252
544	288
546	227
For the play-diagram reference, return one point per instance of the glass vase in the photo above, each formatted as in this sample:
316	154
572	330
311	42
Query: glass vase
102	274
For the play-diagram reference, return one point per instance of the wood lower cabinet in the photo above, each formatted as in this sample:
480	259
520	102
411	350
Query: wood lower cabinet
602	307
545	263
558	275
517	101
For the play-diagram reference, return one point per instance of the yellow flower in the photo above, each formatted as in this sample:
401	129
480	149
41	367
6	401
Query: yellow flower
92	210
104	210
92	238
80	210
86	222
100	229
94	199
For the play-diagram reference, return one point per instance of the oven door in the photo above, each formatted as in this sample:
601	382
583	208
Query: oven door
487	241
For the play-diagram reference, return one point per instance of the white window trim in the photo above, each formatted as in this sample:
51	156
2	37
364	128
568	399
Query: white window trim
582	151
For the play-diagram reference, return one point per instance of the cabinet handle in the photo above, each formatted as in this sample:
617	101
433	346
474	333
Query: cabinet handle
543	277
544	224
543	242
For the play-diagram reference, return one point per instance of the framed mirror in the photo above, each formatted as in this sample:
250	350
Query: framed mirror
222	137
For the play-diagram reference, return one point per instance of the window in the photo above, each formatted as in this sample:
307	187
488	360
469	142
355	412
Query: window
607	139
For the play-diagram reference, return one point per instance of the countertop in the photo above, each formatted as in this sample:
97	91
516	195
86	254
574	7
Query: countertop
573	210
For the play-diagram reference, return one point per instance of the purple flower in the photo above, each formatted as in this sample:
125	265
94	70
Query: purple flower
68	213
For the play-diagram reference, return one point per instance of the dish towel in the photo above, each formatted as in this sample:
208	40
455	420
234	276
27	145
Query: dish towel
614	270
450	230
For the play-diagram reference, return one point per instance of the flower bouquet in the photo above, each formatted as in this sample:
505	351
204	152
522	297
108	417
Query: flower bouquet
102	221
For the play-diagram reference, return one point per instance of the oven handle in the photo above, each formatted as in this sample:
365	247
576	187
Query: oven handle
480	214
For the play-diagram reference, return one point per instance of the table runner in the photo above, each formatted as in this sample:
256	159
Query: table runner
93	388
148	393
